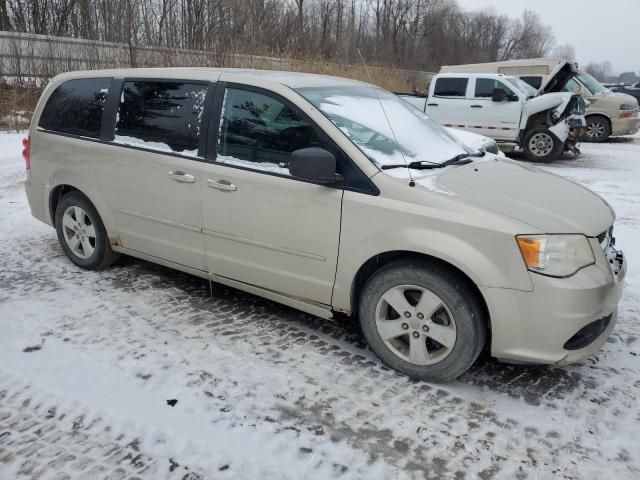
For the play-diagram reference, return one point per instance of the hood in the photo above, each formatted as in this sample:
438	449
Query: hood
558	78
605	101
548	101
548	202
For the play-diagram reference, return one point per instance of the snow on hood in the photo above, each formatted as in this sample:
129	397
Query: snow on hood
546	201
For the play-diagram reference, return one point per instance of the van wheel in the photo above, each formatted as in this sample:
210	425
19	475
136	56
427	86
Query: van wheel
81	233
541	145
598	129
423	320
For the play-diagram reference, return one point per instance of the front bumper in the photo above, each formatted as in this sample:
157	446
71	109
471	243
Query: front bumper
626	126
534	327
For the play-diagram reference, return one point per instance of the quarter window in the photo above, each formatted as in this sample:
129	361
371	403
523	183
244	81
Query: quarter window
76	106
451	87
164	116
260	132
485	87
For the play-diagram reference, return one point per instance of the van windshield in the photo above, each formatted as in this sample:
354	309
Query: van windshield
590	83
383	126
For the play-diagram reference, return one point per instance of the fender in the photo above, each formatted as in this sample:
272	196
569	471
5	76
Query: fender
89	188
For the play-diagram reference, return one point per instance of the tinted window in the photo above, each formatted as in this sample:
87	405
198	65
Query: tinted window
485	86
164	116
260	132
75	107
451	87
535	82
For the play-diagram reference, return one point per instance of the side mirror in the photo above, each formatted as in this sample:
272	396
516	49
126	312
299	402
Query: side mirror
498	95
314	164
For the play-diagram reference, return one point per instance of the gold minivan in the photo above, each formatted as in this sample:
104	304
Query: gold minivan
334	197
609	113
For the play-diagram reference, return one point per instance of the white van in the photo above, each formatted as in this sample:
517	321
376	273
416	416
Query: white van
609	113
508	110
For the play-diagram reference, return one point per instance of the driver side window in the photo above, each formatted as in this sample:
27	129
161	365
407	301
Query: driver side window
258	131
485	87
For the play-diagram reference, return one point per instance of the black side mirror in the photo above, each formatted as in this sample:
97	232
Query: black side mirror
498	95
314	164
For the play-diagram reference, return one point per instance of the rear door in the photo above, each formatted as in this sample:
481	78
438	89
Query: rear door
151	172
499	120
261	226
448	104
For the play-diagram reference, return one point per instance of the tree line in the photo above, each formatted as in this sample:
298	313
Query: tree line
413	34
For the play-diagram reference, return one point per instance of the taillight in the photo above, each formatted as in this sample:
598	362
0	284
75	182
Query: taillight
26	151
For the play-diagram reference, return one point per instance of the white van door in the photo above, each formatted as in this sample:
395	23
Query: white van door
499	120
151	173
447	103
263	227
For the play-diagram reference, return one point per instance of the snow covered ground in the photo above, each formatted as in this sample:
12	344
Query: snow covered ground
93	363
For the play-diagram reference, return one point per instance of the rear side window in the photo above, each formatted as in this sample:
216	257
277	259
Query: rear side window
163	116
76	106
451	87
535	82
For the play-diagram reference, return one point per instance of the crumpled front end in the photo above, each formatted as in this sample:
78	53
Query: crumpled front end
571	123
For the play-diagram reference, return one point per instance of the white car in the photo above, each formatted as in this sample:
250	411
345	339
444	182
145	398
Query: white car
476	141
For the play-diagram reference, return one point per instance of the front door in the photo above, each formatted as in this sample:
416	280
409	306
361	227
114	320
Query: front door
499	120
262	226
151	173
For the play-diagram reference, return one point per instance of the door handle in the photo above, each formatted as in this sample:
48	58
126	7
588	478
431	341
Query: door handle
476	106
180	176
222	185
432	104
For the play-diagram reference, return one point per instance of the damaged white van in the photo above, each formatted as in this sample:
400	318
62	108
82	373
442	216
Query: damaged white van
331	196
508	110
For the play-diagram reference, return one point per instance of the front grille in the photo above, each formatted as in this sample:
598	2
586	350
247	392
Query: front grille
588	334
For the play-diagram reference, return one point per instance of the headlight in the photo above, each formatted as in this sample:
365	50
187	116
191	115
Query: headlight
555	255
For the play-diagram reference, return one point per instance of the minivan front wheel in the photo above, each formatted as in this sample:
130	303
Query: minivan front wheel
598	129
422	320
81	233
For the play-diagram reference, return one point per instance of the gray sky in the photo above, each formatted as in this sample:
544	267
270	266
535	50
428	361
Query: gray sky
598	29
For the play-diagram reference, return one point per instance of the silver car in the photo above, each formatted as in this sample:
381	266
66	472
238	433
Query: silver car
334	197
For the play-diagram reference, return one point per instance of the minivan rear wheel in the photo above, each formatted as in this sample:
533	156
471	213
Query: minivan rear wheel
423	320
541	145
81	233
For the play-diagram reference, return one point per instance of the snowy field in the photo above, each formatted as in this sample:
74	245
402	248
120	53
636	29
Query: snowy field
89	361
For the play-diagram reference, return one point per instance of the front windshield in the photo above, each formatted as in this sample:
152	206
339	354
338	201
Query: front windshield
590	83
383	126
523	86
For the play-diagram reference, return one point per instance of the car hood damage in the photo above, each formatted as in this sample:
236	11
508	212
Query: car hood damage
548	202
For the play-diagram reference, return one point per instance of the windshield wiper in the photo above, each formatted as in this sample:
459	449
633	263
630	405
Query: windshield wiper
461	159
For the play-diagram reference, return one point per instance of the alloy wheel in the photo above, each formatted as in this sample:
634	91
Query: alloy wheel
415	324
595	130
79	232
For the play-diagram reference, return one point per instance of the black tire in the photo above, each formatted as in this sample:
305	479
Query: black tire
598	129
459	297
103	256
534	153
